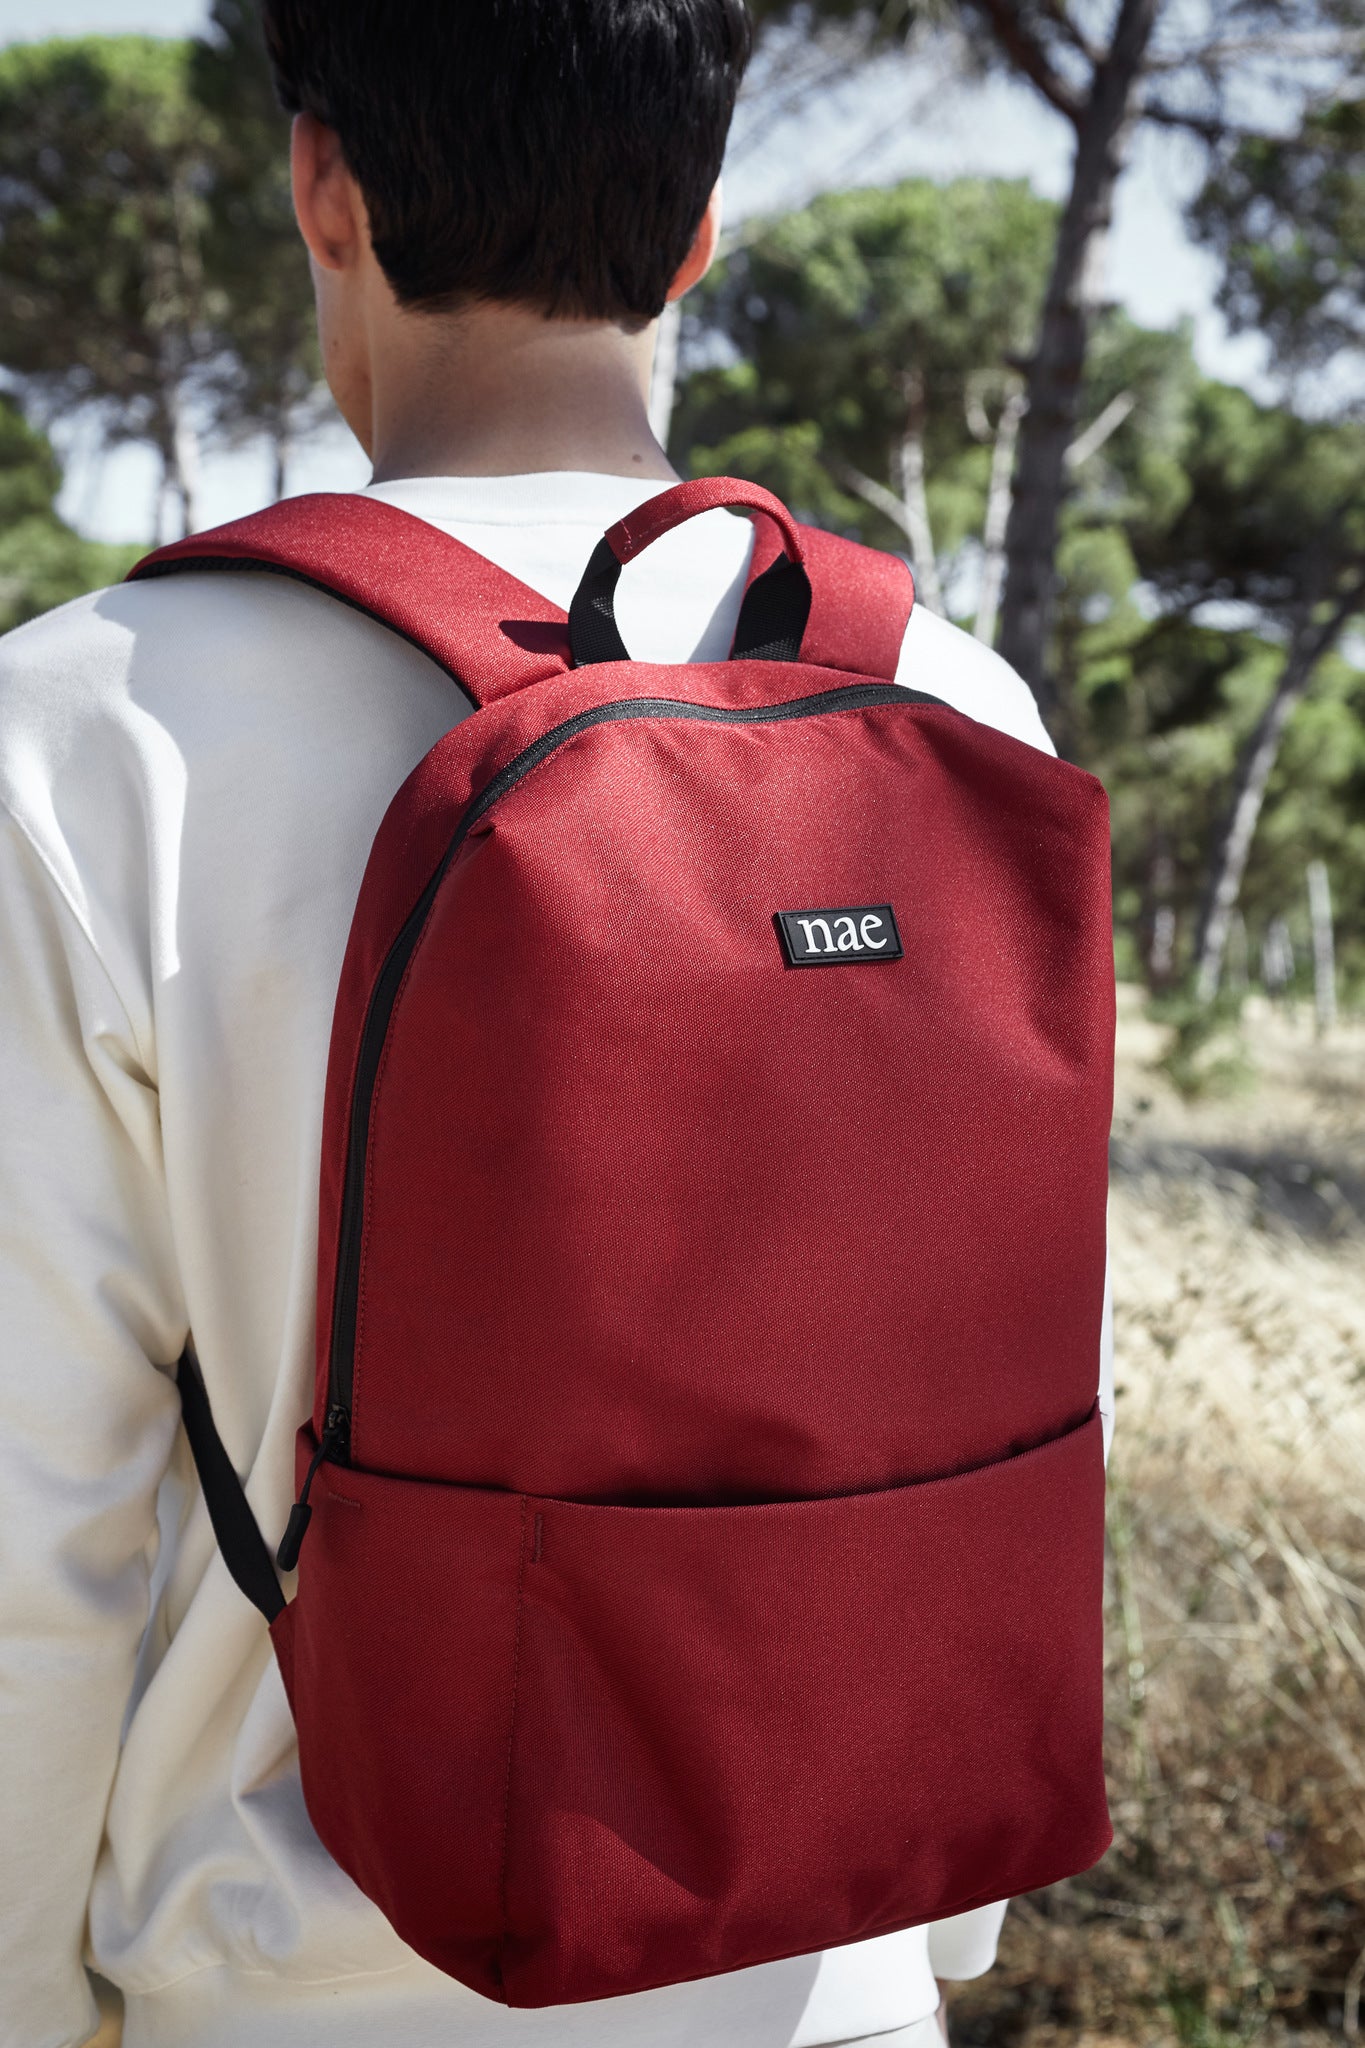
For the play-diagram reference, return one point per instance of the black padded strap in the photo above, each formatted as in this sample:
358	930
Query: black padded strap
239	1537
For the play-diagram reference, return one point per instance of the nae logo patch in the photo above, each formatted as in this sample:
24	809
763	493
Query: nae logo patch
838	938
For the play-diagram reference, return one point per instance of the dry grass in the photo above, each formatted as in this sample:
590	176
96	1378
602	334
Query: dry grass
1232	1905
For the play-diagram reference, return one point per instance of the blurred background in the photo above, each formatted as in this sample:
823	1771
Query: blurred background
1064	300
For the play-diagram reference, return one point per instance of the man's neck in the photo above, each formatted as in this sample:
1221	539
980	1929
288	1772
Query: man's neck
501	391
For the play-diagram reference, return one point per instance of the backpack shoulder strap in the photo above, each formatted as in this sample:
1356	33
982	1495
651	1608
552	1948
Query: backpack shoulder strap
489	632
861	599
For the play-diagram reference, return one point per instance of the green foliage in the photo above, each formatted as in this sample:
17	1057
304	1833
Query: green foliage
1267	526
1163	728
102	168
1270	496
267	369
790	460
1190	537
1197	2027
1139	476
30	476
42	562
829	313
149	263
1206	1053
1287	216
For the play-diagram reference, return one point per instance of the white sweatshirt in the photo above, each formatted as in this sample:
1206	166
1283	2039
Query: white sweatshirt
191	774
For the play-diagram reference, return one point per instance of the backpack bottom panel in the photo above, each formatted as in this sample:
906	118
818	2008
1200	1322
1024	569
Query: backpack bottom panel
578	1750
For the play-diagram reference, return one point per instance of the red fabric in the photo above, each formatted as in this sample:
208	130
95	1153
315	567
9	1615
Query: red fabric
492	633
402	1659
573	1751
861	600
704	494
651	1220
601	964
717	1573
489	631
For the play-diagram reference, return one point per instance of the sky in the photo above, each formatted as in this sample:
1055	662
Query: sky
27	20
899	120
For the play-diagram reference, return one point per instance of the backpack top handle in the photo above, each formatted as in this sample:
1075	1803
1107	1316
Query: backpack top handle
776	607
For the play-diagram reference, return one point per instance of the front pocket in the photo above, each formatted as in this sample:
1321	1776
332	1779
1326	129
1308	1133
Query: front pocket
692	1739
744	1732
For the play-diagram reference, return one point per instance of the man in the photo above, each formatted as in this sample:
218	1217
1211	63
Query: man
496	202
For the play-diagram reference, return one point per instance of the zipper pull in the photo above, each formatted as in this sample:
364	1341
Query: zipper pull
335	1432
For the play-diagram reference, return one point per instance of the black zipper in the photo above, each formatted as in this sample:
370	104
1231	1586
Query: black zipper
334	1444
849	697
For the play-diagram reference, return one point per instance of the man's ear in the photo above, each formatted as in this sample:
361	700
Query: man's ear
327	202
702	254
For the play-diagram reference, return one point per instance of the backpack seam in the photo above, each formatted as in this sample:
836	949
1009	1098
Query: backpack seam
511	1742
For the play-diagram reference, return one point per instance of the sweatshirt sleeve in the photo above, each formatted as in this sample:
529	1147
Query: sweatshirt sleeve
965	1945
89	1299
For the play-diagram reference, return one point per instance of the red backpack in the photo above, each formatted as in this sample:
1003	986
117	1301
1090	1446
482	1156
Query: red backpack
705	1470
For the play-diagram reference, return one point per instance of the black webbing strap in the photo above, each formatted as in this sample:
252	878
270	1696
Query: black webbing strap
239	1537
772	618
593	631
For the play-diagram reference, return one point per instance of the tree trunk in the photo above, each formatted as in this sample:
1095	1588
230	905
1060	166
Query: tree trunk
1159	919
1232	849
187	467
177	443
1238	954
914	497
280	448
1058	365
663	377
1324	951
998	500
167	483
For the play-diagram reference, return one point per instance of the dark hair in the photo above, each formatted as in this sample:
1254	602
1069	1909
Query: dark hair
554	153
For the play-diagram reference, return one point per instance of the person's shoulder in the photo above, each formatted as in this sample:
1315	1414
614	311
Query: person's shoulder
76	663
115	704
91	642
66	669
63	710
185	652
940	659
137	681
80	633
